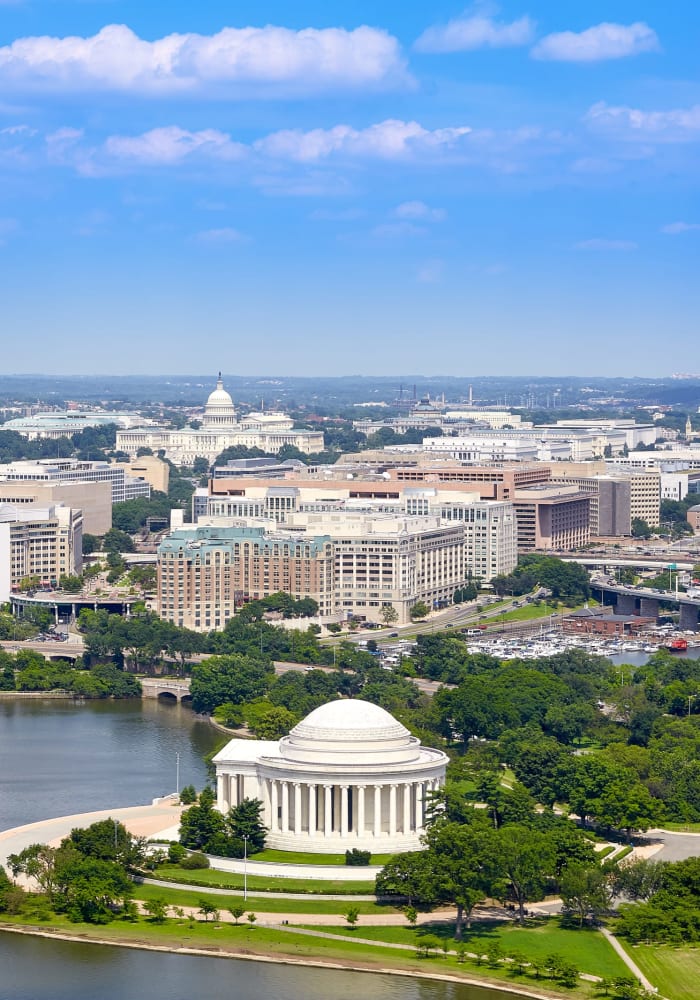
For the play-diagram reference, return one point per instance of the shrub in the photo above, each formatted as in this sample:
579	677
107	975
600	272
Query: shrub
195	860
357	858
188	795
176	853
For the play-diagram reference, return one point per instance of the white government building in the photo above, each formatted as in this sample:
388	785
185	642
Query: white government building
220	429
348	775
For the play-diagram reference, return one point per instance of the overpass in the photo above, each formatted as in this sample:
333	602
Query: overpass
645	561
646	602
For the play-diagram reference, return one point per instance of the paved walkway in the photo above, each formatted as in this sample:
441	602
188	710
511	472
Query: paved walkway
674	846
141	821
631	965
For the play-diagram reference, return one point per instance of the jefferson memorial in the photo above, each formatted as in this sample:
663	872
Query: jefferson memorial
348	775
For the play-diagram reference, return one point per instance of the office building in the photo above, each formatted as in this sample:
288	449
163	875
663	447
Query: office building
40	544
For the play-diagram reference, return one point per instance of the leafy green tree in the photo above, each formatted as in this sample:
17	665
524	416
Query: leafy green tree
188	795
236	912
463	858
351	915
524	858
157	910
232	678
585	890
419	610
118	541
388	614
245	820
201	824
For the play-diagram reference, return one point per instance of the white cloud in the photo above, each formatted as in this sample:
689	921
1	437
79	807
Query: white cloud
675	125
603	41
391	139
600	244
398	230
219	237
168	145
677	228
234	61
476	30
18	129
419	210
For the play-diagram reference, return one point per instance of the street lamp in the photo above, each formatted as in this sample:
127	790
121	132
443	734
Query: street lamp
245	867
177	774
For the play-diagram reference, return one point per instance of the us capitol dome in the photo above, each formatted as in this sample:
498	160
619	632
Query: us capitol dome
348	775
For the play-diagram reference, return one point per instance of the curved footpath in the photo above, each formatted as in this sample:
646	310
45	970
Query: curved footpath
161	819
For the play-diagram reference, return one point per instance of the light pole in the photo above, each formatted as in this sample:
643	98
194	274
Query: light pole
245	867
177	774
691	697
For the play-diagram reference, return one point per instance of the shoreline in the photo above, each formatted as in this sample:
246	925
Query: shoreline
278	959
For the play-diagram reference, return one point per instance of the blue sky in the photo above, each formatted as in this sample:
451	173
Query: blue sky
334	188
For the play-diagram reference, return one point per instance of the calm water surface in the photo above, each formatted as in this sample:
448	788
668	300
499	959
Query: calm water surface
58	758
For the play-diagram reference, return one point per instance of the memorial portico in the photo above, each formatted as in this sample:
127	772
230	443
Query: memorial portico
348	775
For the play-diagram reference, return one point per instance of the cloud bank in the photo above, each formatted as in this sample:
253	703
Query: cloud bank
603	41
245	59
476	31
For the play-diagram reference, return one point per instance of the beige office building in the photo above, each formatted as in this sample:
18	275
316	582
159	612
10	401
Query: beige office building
38	542
555	518
94	499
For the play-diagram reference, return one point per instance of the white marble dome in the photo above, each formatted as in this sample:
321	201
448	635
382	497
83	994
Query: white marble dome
348	731
347	775
219	397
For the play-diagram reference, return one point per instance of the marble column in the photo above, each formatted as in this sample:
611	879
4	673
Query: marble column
328	809
344	810
377	810
285	807
392	810
418	788
360	824
312	810
406	808
221	783
297	808
274	807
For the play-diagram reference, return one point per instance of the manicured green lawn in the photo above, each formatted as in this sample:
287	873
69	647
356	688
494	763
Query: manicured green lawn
267	942
302	858
682	827
260	904
587	949
261	883
674	971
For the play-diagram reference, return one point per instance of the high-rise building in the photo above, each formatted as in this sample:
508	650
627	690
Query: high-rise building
38	544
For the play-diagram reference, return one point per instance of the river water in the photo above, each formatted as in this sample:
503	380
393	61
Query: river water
58	758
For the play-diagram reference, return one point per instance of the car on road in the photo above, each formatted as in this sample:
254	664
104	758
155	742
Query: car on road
393	635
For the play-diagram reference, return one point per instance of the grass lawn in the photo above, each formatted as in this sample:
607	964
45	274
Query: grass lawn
682	827
266	942
303	858
587	949
259	904
674	971
262	883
